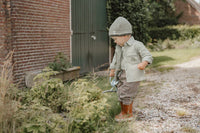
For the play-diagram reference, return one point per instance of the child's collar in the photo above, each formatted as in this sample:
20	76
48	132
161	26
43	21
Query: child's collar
129	42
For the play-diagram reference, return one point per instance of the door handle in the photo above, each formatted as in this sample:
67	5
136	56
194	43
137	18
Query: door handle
93	37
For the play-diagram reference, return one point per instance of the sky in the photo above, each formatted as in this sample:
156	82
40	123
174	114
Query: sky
198	1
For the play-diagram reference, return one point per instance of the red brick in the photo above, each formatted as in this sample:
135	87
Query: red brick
190	15
40	29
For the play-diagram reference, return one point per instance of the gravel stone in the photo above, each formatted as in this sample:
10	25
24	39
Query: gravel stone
175	108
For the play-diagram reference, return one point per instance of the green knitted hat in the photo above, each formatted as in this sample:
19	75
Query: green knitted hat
120	26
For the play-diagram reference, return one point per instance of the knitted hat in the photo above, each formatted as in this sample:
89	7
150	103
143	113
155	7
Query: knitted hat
120	26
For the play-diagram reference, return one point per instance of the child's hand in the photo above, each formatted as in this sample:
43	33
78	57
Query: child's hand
142	65
112	72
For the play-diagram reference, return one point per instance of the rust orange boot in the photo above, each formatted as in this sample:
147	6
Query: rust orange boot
128	112
126	115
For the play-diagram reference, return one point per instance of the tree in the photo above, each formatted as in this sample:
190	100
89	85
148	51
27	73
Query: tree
162	13
135	11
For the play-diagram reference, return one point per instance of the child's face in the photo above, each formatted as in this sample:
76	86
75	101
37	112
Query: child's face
120	40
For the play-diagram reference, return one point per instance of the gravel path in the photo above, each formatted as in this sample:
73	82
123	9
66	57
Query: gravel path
172	103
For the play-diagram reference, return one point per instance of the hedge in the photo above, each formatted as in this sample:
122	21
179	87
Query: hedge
179	32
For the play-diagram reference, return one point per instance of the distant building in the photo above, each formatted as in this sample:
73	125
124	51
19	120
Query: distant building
190	10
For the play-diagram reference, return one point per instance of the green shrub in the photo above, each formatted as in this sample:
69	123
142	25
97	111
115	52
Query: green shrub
60	63
88	107
50	107
41	106
162	13
50	92
37	118
160	45
180	32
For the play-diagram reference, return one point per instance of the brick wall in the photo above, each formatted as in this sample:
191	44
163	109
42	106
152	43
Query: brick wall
190	15
2	30
40	29
5	29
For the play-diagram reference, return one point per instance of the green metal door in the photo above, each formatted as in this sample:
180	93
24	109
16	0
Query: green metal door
90	47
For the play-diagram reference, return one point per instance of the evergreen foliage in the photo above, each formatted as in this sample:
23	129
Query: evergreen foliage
143	15
60	63
135	11
162	13
179	32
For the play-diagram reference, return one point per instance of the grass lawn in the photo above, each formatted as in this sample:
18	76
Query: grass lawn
165	60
